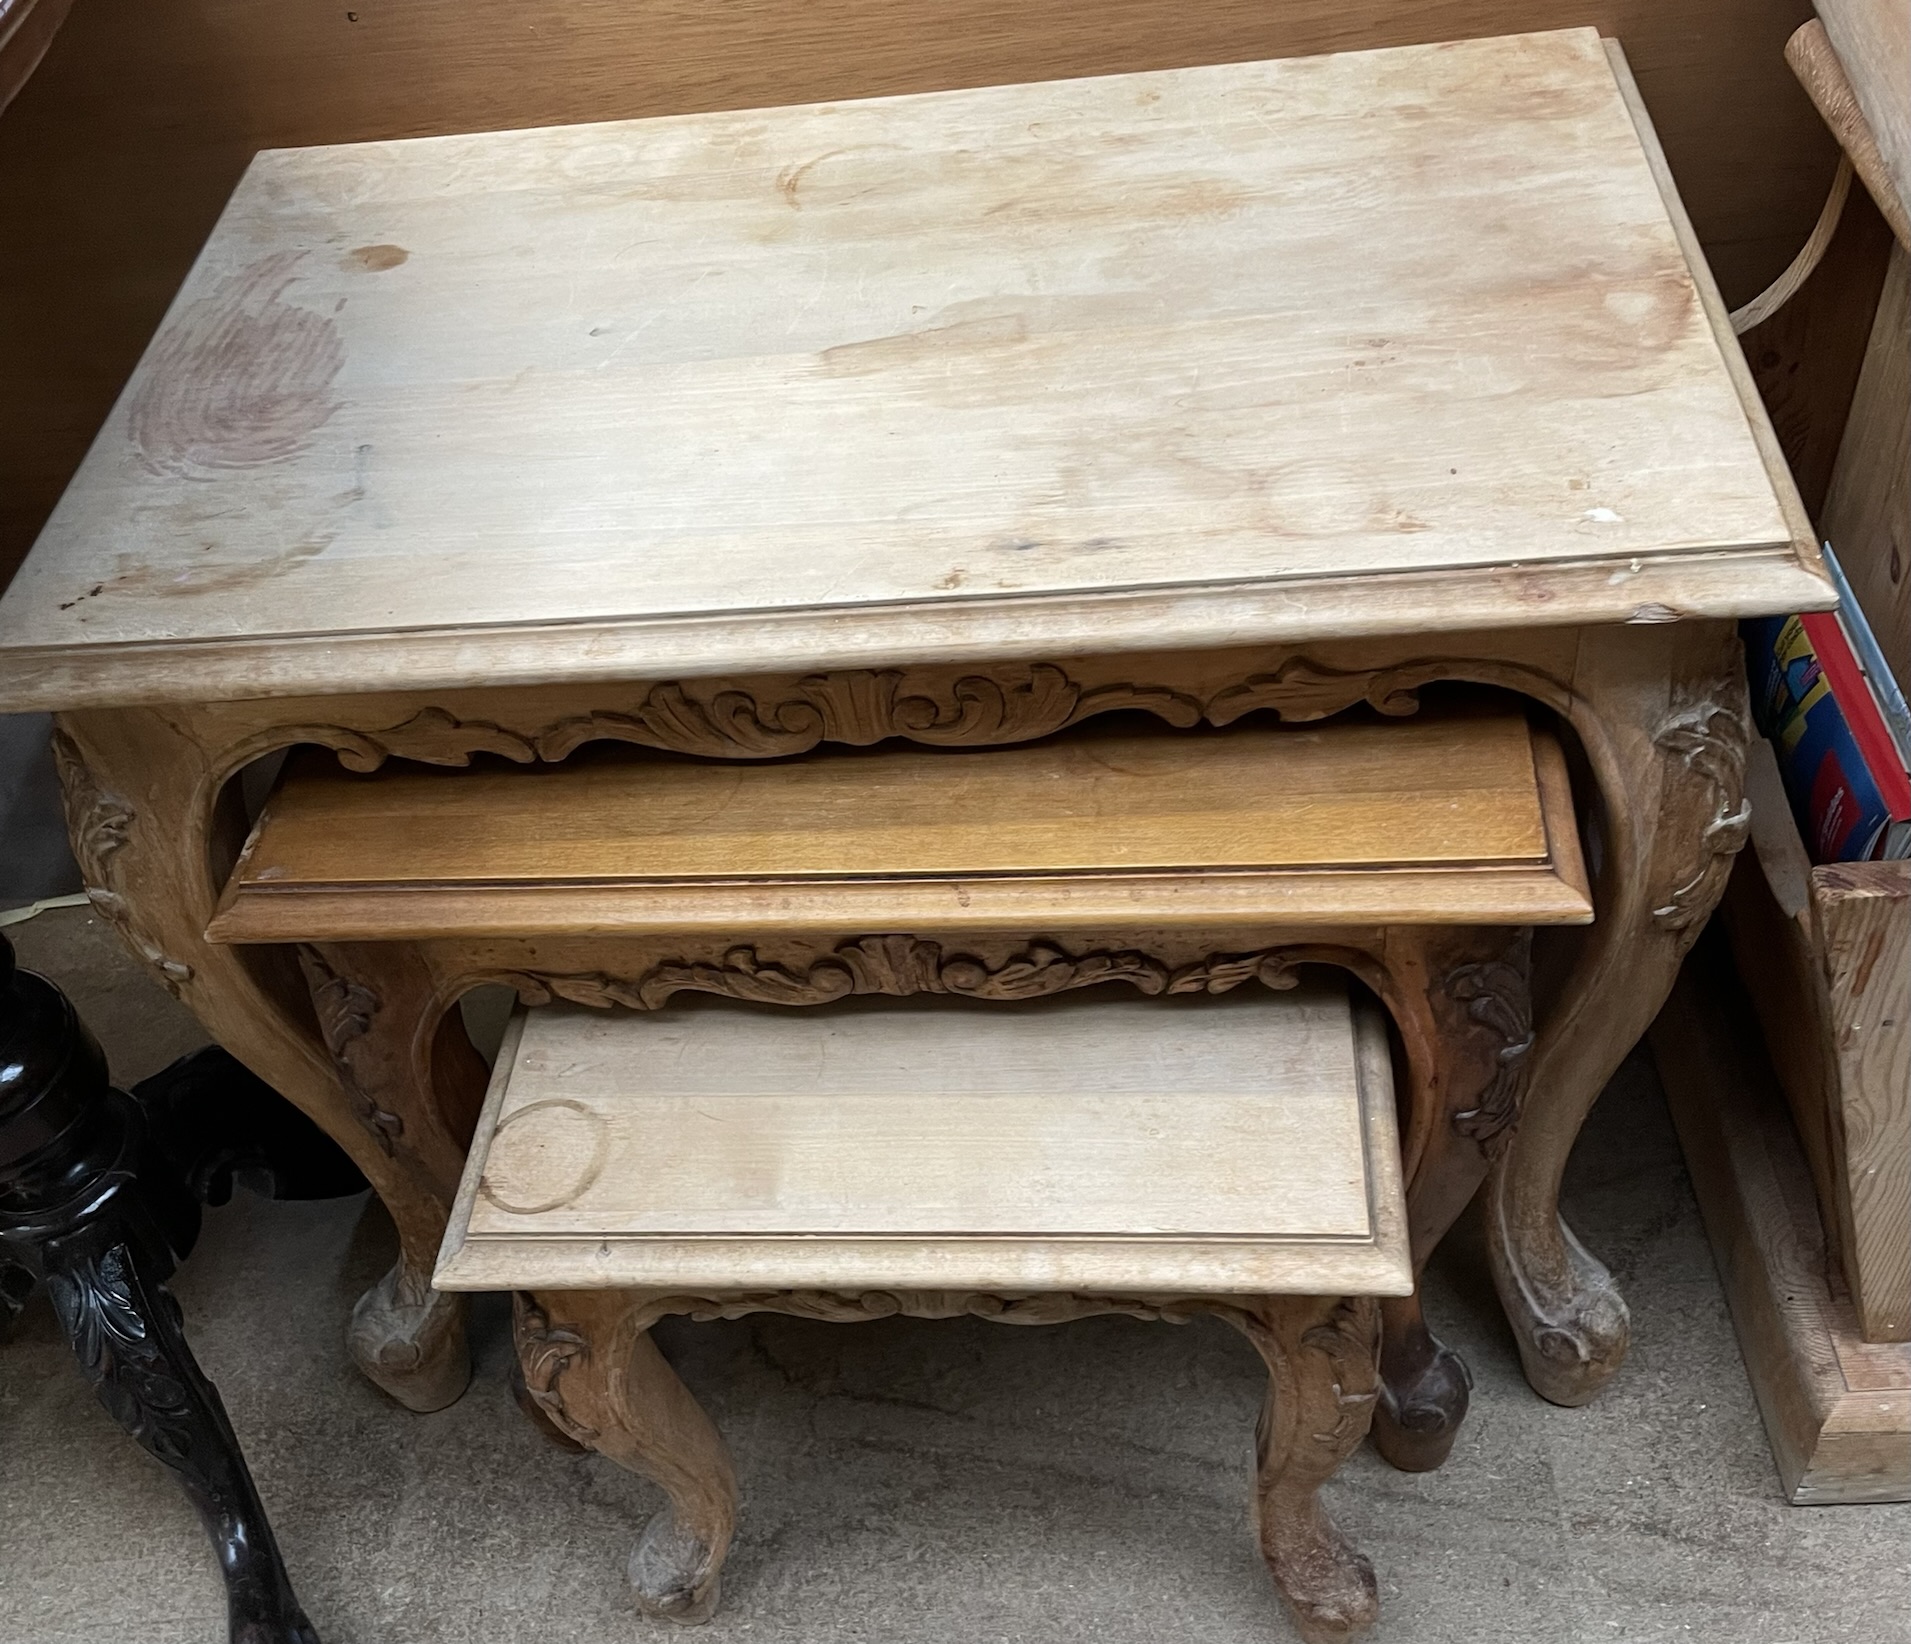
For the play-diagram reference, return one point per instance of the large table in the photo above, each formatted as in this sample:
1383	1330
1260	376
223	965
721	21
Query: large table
1299	386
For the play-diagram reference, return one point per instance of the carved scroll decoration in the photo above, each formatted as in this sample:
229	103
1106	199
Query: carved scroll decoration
859	1306
545	1352
1497	997
1346	1351
1017	703
900	966
345	1010
1709	741
1331	1371
100	826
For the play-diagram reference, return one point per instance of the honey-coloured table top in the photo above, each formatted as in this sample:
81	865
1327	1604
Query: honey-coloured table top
1413	339
1463	819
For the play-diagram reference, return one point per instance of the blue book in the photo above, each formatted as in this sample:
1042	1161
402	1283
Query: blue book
1839	802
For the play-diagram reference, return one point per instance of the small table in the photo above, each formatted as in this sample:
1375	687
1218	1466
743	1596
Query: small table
955	418
942	1158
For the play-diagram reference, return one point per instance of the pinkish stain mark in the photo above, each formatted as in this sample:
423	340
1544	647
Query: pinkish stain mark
240	378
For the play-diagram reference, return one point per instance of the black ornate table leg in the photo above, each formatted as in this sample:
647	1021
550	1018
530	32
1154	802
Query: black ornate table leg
91	1207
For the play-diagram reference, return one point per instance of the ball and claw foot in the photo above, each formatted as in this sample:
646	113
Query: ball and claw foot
409	1340
1420	1409
672	1574
1573	1341
1327	1585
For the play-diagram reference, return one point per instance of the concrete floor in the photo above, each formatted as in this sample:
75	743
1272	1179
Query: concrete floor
949	1483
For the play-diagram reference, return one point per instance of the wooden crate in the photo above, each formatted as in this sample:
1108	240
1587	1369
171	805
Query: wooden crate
1837	1409
1825	953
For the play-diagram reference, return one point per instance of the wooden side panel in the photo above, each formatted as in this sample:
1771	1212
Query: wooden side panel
1863	914
115	158
1867	515
1825	954
1766	913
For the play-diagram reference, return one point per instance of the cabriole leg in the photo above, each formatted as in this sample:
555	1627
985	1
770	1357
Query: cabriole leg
402	1062
107	1286
149	821
1322	1362
1664	723
1462	1002
591	1367
92	1208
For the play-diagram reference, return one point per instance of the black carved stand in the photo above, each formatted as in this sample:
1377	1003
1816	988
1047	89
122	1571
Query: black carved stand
98	1202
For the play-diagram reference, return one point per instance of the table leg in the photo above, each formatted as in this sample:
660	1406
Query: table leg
154	827
591	1367
92	1207
1322	1363
416	1084
1662	718
1462	1003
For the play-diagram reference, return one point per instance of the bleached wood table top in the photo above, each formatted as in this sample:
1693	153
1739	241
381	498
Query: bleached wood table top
1377	342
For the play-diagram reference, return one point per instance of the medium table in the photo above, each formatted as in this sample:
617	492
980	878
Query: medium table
959	418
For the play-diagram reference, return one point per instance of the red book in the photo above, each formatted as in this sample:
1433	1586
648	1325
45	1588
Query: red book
1854	696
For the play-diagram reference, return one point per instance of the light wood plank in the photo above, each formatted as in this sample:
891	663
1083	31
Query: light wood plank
1242	1145
1018	369
1819	71
1873	41
1437	819
1867	515
1837	1410
1825	953
1863	913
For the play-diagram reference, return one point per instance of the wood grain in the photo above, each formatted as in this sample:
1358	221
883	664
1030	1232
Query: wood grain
1837	1409
1825	954
1819	71
1867	514
1872	39
753	386
115	160
1437	820
1236	1145
1863	913
1806	359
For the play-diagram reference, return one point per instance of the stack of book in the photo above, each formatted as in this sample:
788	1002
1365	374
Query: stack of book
1838	722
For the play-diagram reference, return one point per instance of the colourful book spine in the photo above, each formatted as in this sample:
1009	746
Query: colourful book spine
1860	708
1842	812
